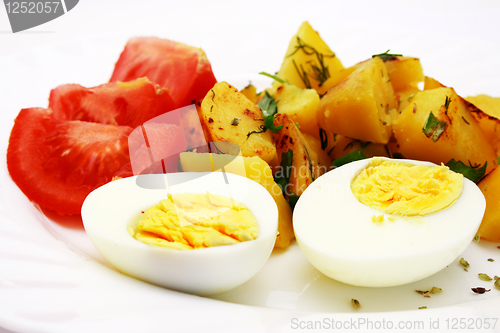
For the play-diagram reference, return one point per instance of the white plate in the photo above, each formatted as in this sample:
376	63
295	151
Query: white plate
52	278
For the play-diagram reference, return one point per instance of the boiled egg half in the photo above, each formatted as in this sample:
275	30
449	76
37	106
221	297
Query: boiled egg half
363	242
111	211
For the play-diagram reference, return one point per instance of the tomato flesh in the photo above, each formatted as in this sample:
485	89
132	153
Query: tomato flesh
57	163
184	70
119	103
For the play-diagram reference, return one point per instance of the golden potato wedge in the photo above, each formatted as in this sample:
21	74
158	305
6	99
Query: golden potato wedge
360	106
309	62
404	72
457	134
290	138
228	116
486	110
299	104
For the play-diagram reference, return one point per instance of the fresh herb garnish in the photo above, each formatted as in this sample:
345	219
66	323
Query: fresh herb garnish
464	263
386	56
282	177
411	97
447	102
472	172
480	290
268	107
235	121
318	70
434	128
491	259
323	138
354	156
422	307
213	94
484	277
355	303
303	75
477	238
465	120
262	130
427	293
497	282
274	77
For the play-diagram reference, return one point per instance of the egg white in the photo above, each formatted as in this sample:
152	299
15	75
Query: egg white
110	209
337	235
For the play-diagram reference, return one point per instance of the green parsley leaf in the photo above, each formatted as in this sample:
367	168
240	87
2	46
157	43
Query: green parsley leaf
474	173
268	107
354	156
434	128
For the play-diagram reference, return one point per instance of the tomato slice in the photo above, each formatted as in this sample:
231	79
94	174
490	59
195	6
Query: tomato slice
57	163
119	103
184	70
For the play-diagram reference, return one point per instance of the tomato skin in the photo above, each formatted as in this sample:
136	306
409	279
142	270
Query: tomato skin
119	103
183	69
57	163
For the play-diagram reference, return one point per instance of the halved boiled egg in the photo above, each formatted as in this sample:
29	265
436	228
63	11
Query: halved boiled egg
111	211
386	229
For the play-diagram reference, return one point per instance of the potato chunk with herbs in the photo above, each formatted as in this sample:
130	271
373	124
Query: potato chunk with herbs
290	138
309	62
228	116
360	107
299	104
438	126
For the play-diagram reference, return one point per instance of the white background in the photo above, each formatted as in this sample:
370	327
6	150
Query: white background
456	21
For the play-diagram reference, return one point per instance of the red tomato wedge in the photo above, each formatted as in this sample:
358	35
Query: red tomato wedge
119	103
184	70
57	163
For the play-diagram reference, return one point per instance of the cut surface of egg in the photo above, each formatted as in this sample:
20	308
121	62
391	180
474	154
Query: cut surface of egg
111	211
358	244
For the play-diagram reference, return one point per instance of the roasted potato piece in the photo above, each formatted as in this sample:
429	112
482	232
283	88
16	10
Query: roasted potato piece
490	226
228	116
253	168
251	93
404	72
430	83
360	106
437	126
299	104
309	62
320	161
486	110
290	138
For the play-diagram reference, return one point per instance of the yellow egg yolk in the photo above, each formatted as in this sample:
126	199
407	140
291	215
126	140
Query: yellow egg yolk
191	221
399	188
